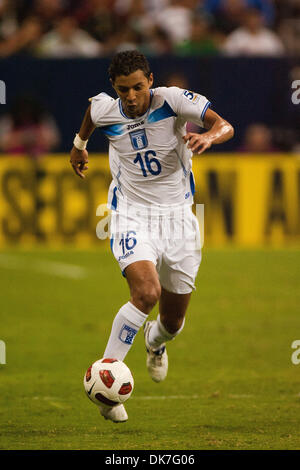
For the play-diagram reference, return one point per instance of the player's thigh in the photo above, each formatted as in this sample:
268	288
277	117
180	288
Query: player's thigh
144	285
130	244
178	272
181	259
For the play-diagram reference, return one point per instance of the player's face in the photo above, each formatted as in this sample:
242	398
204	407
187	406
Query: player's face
134	92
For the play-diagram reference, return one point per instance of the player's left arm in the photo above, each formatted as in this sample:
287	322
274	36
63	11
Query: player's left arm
218	132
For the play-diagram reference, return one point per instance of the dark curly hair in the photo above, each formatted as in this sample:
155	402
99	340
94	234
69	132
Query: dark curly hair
127	62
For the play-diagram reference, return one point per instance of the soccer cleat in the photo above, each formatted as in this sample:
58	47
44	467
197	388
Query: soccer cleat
117	413
157	360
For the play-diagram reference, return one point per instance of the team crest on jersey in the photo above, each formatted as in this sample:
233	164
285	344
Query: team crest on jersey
191	96
139	139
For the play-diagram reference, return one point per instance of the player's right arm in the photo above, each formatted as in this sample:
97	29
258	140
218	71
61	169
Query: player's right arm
79	155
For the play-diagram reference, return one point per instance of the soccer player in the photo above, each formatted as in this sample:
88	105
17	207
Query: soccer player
150	160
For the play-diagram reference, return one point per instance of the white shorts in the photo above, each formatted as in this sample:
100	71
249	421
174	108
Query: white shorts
171	241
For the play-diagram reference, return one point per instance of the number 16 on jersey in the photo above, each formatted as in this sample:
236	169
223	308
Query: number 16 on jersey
151	164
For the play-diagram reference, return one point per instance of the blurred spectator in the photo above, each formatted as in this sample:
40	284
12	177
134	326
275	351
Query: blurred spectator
154	7
201	41
33	17
28	129
98	18
139	20
8	19
48	11
156	43
228	13
258	139
288	16
155	24
24	40
122	7
176	20
253	39
67	40
127	39
152	40
289	31
286	9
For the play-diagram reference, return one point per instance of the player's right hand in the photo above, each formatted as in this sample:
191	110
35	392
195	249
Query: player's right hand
79	160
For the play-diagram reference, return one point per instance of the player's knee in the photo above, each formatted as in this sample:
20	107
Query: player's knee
147	296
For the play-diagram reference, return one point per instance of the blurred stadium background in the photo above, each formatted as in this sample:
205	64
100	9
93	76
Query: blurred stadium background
244	55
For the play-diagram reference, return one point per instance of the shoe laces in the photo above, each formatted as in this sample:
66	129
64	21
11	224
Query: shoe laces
156	356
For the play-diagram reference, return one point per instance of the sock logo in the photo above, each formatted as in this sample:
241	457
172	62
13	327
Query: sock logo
127	334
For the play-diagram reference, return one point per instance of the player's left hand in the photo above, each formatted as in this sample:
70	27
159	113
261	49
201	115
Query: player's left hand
197	142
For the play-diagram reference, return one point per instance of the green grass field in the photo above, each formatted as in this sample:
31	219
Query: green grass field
231	382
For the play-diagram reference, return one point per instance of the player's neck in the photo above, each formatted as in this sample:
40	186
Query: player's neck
143	110
146	104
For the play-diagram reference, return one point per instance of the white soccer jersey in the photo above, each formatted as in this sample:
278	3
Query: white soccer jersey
149	161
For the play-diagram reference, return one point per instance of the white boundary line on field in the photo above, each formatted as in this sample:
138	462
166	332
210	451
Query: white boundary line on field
57	402
169	397
189	397
54	268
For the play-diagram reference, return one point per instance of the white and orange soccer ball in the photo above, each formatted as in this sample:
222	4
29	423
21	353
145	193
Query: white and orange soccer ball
108	381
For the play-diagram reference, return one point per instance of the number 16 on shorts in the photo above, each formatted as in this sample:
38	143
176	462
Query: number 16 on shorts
127	243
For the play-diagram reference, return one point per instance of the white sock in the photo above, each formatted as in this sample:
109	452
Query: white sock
159	335
125	326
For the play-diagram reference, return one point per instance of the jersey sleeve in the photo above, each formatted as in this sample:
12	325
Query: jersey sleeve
188	105
99	106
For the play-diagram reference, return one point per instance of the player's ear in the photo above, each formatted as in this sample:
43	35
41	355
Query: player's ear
150	79
112	83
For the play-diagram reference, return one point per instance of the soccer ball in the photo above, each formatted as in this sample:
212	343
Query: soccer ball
108	381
